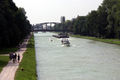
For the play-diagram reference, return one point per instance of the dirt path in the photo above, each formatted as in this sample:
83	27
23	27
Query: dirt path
8	72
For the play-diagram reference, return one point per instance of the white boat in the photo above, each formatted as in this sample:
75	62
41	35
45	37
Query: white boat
65	42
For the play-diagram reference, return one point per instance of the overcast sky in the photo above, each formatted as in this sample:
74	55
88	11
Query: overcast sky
39	11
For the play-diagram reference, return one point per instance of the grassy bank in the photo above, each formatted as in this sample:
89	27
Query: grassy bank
3	61
28	64
111	41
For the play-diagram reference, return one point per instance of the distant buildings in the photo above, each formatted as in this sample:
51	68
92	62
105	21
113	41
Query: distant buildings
62	19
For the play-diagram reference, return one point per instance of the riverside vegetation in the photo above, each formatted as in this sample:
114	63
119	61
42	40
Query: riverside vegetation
111	41
14	25
102	23
28	64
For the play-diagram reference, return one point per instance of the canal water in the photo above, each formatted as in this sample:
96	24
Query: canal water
83	60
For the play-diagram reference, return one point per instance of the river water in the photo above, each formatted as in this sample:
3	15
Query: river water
83	60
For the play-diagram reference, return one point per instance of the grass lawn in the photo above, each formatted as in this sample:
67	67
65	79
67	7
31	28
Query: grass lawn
28	64
3	61
112	41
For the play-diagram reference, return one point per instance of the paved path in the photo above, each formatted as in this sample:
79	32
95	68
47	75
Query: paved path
4	54
8	72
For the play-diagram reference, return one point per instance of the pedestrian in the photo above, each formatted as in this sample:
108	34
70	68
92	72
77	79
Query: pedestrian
18	58
10	55
14	57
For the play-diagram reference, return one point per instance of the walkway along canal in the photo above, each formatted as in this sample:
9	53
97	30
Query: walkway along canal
84	60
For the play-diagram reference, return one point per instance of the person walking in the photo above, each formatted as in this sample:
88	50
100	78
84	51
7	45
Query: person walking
14	57
10	55
18	58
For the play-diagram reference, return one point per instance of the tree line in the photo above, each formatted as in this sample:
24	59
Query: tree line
103	22
14	25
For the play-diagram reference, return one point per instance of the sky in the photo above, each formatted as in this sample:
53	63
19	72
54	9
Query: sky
39	11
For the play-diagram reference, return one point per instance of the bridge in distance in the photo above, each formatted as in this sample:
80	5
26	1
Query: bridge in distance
46	26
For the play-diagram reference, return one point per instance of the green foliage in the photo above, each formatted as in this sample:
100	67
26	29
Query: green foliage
111	41
14	25
8	50
28	64
3	61
92	23
102	23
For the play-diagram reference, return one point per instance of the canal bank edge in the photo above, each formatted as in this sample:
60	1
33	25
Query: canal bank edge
111	41
27	68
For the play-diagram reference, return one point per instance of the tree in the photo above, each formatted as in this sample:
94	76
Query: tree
14	25
103	22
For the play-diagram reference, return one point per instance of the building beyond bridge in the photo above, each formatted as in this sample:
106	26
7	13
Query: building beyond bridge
48	26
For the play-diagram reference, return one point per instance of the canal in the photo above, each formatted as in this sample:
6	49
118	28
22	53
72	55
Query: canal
83	60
